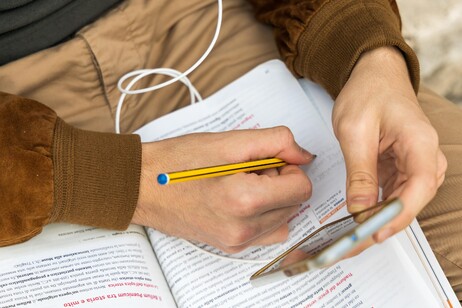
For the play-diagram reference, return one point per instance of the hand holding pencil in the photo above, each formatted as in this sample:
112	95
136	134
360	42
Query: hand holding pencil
229	212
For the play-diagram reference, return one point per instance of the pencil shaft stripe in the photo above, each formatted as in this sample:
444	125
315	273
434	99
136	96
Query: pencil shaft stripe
230	166
227	167
179	177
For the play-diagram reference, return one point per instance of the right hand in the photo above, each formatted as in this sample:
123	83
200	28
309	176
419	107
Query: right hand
228	212
386	139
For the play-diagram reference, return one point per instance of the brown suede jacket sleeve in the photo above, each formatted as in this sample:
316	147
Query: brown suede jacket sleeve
52	172
322	39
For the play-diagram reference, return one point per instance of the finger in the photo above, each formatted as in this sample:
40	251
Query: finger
420	166
247	230
392	184
263	193
270	142
442	167
272	236
412	205
386	169
360	150
268	223
269	172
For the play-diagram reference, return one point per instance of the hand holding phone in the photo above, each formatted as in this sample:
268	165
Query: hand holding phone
334	252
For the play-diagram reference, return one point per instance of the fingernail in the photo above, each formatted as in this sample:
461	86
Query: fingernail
308	155
383	235
359	203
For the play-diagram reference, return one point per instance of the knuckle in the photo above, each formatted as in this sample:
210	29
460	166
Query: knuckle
442	163
407	217
422	136
301	188
432	135
341	128
431	184
285	134
348	129
362	179
307	190
232	250
246	205
284	234
441	179
241	235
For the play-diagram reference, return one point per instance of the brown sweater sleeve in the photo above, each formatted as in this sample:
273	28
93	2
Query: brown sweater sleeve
52	172
322	39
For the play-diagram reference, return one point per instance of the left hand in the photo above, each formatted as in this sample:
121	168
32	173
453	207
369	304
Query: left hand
386	139
231	212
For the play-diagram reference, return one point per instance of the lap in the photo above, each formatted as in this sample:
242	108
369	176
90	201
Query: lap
78	78
441	219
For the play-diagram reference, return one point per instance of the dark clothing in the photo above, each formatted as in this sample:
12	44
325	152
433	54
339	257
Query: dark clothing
27	26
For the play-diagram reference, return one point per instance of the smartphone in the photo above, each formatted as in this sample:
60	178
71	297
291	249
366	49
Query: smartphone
334	252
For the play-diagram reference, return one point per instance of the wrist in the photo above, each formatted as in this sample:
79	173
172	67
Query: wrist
384	68
382	59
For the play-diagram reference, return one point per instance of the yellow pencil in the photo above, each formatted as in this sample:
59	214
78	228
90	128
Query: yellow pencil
208	172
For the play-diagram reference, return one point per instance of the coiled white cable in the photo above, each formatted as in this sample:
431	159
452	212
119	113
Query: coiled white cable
177	76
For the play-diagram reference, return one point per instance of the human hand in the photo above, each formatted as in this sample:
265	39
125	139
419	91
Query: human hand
386	139
230	212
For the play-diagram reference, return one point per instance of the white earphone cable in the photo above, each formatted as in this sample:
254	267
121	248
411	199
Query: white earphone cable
177	76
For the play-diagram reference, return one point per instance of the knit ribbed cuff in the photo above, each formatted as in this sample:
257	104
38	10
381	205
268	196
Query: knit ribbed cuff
340	32
96	177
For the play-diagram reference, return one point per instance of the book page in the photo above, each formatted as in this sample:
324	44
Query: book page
379	277
414	243
270	96
77	266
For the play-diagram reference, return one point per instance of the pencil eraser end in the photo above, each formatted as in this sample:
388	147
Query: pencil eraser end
162	179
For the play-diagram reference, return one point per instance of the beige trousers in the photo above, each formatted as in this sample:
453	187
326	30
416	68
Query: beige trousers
78	79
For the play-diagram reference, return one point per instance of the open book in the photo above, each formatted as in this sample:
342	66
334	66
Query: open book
75	266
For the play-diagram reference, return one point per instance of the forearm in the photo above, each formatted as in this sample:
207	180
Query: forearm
52	172
323	40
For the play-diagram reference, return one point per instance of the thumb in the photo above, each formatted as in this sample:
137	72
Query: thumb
361	168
